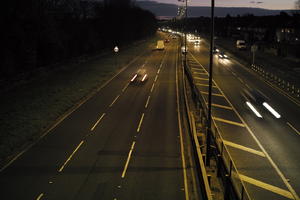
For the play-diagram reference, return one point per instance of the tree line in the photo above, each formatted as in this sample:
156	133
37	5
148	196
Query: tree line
281	32
42	32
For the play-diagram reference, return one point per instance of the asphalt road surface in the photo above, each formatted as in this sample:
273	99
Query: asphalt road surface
123	143
266	150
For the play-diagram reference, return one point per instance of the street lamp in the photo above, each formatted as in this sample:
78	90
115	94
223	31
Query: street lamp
116	50
208	132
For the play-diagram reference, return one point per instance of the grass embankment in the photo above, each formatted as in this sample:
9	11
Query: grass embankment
285	68
29	109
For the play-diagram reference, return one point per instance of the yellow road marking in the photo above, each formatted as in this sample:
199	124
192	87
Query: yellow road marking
221	106
267	186
70	157
193	68
205	85
40	196
204	79
214	94
128	159
141	120
229	122
97	122
241	147
200	73
114	101
290	125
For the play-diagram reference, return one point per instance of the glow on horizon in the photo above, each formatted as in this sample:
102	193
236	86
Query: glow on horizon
266	4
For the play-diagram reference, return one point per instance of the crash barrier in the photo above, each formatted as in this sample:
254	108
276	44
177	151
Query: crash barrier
278	81
203	177
234	188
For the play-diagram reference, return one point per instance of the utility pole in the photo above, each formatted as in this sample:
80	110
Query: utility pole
208	131
185	50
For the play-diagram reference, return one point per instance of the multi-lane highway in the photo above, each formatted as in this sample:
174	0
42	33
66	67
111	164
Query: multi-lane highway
265	149
122	143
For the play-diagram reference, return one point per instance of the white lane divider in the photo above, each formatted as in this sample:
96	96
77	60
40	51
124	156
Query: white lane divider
128	159
147	101
152	87
155	78
40	196
140	124
158	71
114	101
125	87
97	122
70	157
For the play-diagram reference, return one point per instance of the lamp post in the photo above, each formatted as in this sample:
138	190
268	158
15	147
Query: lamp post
185	50
116	50
208	131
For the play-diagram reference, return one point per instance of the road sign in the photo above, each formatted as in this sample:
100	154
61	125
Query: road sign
116	49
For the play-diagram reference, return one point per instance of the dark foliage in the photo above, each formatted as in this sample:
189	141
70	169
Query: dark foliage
39	33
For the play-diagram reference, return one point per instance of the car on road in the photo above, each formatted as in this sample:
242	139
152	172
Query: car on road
167	40
160	45
257	101
139	77
197	43
216	50
222	55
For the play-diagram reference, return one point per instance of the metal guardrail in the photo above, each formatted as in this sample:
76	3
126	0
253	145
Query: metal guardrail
227	170
197	150
278	81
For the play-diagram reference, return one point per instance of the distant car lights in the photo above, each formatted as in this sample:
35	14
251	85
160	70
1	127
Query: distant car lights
133	78
253	109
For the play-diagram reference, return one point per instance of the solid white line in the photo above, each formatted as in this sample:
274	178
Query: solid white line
40	196
290	125
125	87
147	102
128	159
97	122
70	157
141	120
181	138
152	87
114	101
